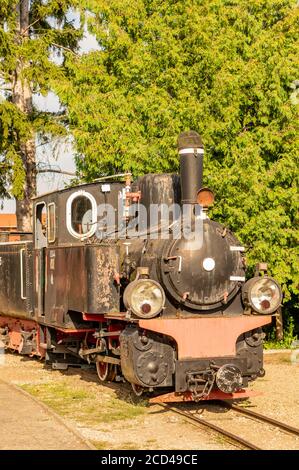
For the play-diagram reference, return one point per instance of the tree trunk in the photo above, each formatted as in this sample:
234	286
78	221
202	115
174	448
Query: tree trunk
279	326
22	98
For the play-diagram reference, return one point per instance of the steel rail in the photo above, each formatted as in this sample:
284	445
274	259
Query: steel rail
213	427
262	418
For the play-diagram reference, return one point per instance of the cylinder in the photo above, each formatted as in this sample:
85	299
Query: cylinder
191	151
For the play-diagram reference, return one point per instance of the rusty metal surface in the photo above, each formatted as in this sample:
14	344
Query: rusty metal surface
108	359
214	395
102	263
81	279
16	279
75	331
14	333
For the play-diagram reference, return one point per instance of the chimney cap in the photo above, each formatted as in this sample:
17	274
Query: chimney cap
189	139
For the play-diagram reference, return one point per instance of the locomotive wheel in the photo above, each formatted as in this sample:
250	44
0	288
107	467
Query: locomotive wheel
137	389
106	372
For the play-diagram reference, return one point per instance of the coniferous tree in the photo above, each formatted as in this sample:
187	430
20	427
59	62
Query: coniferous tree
32	32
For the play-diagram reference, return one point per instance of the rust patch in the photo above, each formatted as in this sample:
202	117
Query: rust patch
214	395
102	286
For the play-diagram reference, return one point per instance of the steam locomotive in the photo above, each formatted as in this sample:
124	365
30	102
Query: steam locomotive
163	305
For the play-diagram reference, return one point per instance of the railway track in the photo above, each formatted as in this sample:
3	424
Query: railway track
262	418
235	439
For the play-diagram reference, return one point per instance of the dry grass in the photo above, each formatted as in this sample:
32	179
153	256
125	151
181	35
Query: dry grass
101	445
83	405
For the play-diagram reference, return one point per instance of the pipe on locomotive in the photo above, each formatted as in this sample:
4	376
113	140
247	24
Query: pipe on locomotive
191	152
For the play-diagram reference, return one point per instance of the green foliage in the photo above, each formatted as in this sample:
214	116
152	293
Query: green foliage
289	337
31	55
14	128
18	173
225	68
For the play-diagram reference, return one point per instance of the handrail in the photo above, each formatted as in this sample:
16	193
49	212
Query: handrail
22	274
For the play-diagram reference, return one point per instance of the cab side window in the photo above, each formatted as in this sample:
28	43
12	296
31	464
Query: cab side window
51	222
40	225
81	215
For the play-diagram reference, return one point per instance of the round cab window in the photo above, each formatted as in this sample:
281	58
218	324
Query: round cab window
81	214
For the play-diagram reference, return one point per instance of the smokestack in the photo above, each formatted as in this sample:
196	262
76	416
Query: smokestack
191	151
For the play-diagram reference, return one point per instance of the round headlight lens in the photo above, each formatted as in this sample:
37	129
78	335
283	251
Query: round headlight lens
263	294
145	298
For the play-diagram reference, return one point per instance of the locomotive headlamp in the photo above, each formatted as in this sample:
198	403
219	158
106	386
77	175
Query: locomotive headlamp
262	294
145	298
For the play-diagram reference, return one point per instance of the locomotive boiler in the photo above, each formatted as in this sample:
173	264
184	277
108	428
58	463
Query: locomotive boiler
137	279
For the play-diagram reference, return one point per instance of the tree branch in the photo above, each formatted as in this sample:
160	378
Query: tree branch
65	48
49	170
29	26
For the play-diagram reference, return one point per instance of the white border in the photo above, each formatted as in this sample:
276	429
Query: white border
69	202
191	150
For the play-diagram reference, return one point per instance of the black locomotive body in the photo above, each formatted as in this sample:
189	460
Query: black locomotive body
144	301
